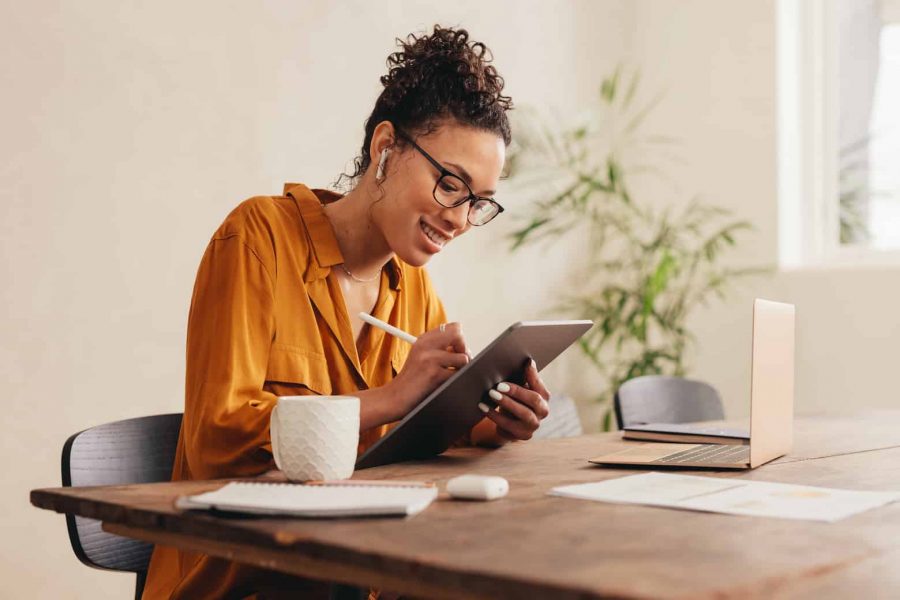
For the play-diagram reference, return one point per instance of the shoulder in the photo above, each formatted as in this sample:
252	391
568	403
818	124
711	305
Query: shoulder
266	225
258	218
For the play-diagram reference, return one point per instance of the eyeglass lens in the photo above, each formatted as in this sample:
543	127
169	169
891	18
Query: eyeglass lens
451	191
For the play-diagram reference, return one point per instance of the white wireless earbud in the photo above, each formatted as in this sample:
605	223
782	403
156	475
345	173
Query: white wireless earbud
379	172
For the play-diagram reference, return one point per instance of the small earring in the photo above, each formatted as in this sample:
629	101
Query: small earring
379	172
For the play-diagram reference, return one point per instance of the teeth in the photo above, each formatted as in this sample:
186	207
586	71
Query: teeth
434	236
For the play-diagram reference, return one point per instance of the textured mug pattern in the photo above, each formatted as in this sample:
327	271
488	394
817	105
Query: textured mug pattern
315	437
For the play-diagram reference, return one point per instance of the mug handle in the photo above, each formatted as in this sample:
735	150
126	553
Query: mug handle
273	434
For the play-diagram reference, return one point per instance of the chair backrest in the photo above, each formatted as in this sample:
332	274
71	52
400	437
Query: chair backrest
563	420
140	450
665	399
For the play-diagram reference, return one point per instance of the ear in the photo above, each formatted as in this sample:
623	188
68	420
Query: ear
382	138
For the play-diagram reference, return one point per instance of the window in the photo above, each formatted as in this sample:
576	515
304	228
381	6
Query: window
839	131
884	144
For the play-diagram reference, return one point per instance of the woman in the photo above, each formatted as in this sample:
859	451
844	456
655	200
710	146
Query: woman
273	307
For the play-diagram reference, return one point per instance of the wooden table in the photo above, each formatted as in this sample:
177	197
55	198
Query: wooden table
530	545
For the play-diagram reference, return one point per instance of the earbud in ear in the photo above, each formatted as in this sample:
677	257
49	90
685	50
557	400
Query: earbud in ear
379	172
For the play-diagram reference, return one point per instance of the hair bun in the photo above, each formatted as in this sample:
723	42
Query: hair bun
438	76
445	59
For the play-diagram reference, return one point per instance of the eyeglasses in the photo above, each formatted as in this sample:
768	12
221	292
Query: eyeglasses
451	191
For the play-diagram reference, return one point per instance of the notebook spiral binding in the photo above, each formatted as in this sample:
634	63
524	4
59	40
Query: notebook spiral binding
348	483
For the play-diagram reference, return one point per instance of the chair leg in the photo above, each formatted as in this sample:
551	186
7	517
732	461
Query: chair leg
139	584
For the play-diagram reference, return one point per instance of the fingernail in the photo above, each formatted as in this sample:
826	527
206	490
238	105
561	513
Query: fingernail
494	394
533	364
503	387
483	407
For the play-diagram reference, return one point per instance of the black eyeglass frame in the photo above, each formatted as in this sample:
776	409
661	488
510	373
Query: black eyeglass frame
445	172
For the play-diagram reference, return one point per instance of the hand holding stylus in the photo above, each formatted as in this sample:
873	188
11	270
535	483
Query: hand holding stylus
434	357
436	354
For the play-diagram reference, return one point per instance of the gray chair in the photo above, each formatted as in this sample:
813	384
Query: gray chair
563	420
665	399
140	450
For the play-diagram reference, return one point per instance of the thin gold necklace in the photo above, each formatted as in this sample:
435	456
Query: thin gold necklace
344	267
358	279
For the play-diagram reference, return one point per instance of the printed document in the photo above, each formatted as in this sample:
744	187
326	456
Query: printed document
730	496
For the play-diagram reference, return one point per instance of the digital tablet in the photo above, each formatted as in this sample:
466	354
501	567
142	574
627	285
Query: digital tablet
451	410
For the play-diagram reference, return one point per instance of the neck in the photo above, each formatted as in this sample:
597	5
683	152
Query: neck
364	248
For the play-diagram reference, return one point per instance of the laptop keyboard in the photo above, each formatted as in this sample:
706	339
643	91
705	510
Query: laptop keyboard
708	453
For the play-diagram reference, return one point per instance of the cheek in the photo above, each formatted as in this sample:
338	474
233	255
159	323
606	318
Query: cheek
411	204
399	216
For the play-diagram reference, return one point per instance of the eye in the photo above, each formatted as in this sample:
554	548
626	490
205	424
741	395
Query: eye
448	185
483	206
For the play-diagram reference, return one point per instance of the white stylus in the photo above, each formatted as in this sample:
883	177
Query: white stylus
406	337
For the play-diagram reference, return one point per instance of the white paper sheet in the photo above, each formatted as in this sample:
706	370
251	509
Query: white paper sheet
730	496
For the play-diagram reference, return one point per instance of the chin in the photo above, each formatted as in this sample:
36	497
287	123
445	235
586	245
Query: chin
414	258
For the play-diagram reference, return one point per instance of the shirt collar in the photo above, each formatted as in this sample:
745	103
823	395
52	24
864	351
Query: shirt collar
322	240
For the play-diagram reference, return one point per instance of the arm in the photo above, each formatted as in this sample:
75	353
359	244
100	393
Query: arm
487	432
375	408
432	360
230	328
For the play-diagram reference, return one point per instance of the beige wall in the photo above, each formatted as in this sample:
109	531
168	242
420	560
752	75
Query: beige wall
130	130
718	61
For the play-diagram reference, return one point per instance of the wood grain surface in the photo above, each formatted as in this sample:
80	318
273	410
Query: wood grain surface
530	545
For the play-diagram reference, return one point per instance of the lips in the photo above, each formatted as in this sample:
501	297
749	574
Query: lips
437	239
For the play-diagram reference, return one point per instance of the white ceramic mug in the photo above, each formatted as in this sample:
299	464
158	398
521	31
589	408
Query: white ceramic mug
315	437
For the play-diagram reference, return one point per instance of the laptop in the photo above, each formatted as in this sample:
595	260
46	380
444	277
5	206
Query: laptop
771	406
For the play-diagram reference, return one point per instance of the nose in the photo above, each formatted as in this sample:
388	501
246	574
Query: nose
456	218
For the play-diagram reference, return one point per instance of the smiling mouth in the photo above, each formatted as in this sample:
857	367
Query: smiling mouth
436	237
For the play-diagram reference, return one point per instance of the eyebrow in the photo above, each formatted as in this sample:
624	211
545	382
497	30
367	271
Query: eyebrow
465	175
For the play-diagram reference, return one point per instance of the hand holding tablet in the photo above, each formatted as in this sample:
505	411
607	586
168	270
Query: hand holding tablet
451	410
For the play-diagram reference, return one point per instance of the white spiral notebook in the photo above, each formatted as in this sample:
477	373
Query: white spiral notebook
316	500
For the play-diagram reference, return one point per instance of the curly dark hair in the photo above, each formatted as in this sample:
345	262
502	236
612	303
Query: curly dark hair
433	78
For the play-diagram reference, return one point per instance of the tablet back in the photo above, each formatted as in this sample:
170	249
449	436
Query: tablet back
449	412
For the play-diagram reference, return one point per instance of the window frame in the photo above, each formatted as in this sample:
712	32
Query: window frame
807	125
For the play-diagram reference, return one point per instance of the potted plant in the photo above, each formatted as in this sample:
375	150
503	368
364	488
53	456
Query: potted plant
648	264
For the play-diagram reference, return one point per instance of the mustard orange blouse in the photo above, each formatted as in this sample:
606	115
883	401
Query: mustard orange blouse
268	319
